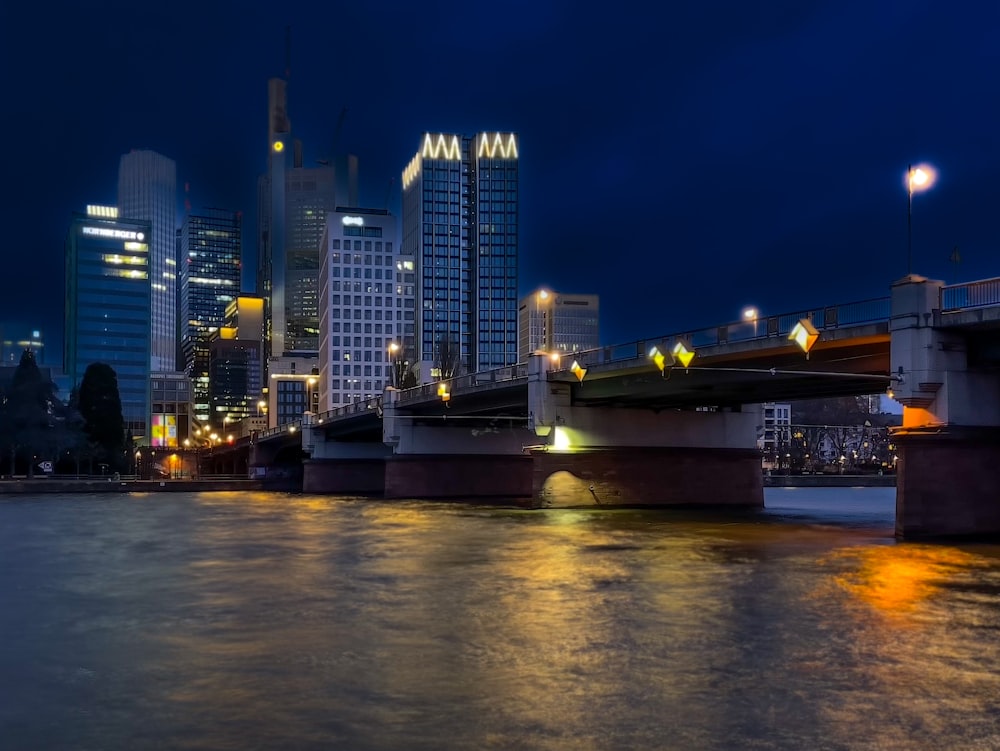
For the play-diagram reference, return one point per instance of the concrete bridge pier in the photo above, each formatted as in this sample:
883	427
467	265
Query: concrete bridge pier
455	457
613	456
949	444
340	466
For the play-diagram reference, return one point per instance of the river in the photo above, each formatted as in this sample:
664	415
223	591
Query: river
273	621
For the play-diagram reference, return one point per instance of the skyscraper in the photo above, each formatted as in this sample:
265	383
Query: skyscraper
367	304
209	282
108	306
557	322
147	191
460	217
292	203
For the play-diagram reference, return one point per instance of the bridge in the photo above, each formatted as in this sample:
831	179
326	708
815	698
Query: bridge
631	424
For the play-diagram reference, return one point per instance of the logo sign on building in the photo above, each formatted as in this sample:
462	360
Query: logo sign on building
353	221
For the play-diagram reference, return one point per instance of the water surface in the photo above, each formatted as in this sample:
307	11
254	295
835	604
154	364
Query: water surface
260	621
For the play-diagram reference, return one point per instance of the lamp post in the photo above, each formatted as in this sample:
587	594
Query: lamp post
918	178
750	314
395	371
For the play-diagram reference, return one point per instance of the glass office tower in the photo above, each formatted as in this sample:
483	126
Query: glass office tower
108	307
147	191
460	217
210	281
292	203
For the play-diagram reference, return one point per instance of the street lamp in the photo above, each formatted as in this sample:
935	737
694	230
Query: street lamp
260	405
395	377
750	314
918	178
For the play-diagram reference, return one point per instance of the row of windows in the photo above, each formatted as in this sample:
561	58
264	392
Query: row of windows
335	328
362	232
357	257
365	245
336	314
350	386
348	370
335	300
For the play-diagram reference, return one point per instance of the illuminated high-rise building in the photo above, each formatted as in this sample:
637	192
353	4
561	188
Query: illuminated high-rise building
147	191
557	322
366	308
211	242
108	306
460	224
292	203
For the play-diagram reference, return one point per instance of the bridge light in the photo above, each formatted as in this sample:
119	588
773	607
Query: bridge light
658	357
578	371
682	353
804	334
443	392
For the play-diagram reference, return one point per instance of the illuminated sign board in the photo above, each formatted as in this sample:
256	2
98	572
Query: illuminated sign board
118	234
107	211
353	221
164	430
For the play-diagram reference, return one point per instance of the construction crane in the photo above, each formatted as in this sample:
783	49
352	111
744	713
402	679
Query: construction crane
336	137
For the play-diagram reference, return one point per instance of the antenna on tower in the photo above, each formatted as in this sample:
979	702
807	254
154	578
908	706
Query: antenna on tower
288	52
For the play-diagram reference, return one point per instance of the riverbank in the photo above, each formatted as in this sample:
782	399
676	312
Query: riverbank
110	485
829	481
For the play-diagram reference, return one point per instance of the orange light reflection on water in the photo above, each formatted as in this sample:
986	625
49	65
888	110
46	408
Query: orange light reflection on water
895	579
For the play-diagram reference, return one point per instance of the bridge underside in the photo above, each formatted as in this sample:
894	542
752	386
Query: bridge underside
860	366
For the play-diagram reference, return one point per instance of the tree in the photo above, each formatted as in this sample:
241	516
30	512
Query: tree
31	414
101	409
402	374
449	359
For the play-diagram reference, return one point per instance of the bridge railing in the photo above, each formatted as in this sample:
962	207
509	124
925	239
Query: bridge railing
970	295
875	310
354	408
480	378
297	424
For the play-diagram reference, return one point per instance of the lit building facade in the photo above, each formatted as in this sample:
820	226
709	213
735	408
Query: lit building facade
557	322
366	304
777	432
234	377
211	243
460	224
236	365
147	191
170	416
292	203
292	388
108	307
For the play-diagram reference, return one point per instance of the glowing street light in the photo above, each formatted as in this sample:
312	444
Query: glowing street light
918	179
750	315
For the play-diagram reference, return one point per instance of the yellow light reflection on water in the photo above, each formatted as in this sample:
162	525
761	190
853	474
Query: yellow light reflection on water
896	579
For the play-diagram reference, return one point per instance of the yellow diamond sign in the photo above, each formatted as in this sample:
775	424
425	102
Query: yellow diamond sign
682	354
804	334
658	357
443	392
578	371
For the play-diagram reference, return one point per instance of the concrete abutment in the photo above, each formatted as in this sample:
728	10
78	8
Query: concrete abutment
647	476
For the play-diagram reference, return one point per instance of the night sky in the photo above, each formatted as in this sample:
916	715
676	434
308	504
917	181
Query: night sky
682	159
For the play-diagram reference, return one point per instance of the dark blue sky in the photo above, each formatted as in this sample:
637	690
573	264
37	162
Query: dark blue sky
682	160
